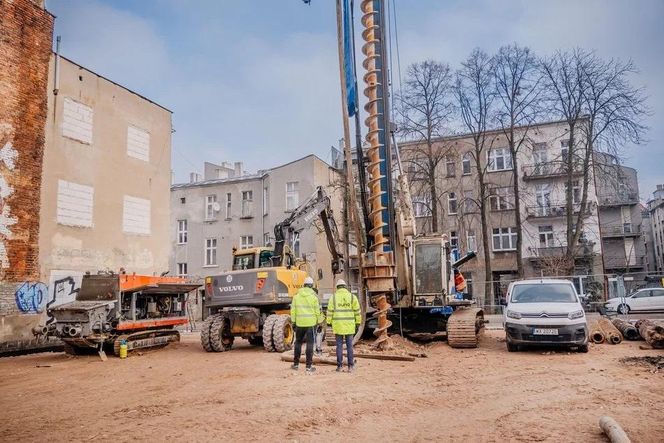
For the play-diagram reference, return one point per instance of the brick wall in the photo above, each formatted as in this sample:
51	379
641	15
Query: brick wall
25	46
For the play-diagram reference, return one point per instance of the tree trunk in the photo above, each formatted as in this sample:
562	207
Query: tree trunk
434	199
517	204
569	196
488	288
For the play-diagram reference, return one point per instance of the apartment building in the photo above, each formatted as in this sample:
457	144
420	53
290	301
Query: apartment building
610	217
656	210
212	216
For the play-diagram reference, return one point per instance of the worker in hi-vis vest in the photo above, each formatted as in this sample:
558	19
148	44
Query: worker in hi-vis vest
305	315
343	313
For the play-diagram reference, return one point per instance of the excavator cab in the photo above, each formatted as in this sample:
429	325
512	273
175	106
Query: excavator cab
260	257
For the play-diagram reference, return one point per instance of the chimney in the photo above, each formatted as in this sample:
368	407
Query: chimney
238	169
194	177
660	187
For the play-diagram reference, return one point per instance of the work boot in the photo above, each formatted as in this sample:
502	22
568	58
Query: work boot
339	369
295	367
311	369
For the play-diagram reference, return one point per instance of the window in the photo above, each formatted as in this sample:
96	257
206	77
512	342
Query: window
450	167
182	232
136	214
246	241
472	240
543	198
502	199
74	204
454	240
138	143
247	199
77	121
266	203
421	207
546	236
292	196
539	153
210	201
296	246
182	269
500	159
266	238
183	200
229	199
469	282
576	192
468	202
504	239
210	252
465	163
564	149
451	203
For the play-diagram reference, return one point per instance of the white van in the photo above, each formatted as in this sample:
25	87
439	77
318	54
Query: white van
544	312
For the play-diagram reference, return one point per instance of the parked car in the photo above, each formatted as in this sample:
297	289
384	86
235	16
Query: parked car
643	300
544	312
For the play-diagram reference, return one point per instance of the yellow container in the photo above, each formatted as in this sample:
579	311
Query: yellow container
123	350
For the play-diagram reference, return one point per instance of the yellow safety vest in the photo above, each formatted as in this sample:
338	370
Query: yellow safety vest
305	310
343	312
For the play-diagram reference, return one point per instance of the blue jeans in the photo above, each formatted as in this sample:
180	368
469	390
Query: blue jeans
348	339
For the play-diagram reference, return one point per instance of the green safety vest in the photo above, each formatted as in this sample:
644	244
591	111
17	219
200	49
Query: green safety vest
343	312
305	310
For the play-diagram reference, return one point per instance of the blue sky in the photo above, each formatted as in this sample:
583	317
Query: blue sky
257	81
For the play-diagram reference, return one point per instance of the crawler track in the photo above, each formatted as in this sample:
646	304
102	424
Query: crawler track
464	327
146	339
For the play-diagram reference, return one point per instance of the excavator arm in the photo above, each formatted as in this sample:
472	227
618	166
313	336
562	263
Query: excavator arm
315	207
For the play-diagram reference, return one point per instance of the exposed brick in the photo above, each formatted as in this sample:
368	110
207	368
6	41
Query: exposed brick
25	47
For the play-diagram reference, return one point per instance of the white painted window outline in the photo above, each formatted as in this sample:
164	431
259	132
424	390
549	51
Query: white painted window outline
421	207
210	200
499	159
246	241
135	138
504	239
210	252
465	163
136	215
182	232
292	196
546	239
247	200
182	269
77	121
70	193
452	206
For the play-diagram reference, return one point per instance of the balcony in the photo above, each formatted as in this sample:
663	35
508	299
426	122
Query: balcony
582	251
555	210
620	262
548	169
619	231
622	199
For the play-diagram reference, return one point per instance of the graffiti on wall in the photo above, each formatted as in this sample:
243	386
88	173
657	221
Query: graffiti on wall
7	157
64	286
30	296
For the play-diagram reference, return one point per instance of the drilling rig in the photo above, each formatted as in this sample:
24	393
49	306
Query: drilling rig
408	278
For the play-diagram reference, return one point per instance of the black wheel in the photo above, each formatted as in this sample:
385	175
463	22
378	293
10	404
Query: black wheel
256	341
623	309
511	347
583	348
283	334
268	325
205	333
221	338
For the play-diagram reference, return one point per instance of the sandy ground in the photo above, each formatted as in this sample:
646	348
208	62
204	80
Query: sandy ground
182	393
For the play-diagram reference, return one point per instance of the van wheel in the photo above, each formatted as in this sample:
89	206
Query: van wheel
623	309
511	347
583	348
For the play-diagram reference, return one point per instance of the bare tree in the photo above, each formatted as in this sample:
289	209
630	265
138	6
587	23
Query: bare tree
517	81
424	108
603	111
475	93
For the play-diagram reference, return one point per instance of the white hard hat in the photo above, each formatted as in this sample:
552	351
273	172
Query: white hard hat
341	282
309	281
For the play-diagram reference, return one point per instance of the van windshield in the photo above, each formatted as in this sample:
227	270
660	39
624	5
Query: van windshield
543	293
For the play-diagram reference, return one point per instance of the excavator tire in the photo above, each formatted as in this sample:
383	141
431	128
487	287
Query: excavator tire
221	338
283	334
71	349
205	333
268	326
464	327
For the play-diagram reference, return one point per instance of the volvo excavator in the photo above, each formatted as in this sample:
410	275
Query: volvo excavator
253	300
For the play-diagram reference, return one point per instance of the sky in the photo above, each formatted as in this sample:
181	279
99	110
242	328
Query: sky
258	82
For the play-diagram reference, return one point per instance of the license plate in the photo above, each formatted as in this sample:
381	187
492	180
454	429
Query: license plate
545	331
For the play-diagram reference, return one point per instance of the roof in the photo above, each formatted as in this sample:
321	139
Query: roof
115	83
488	132
259	175
544	281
